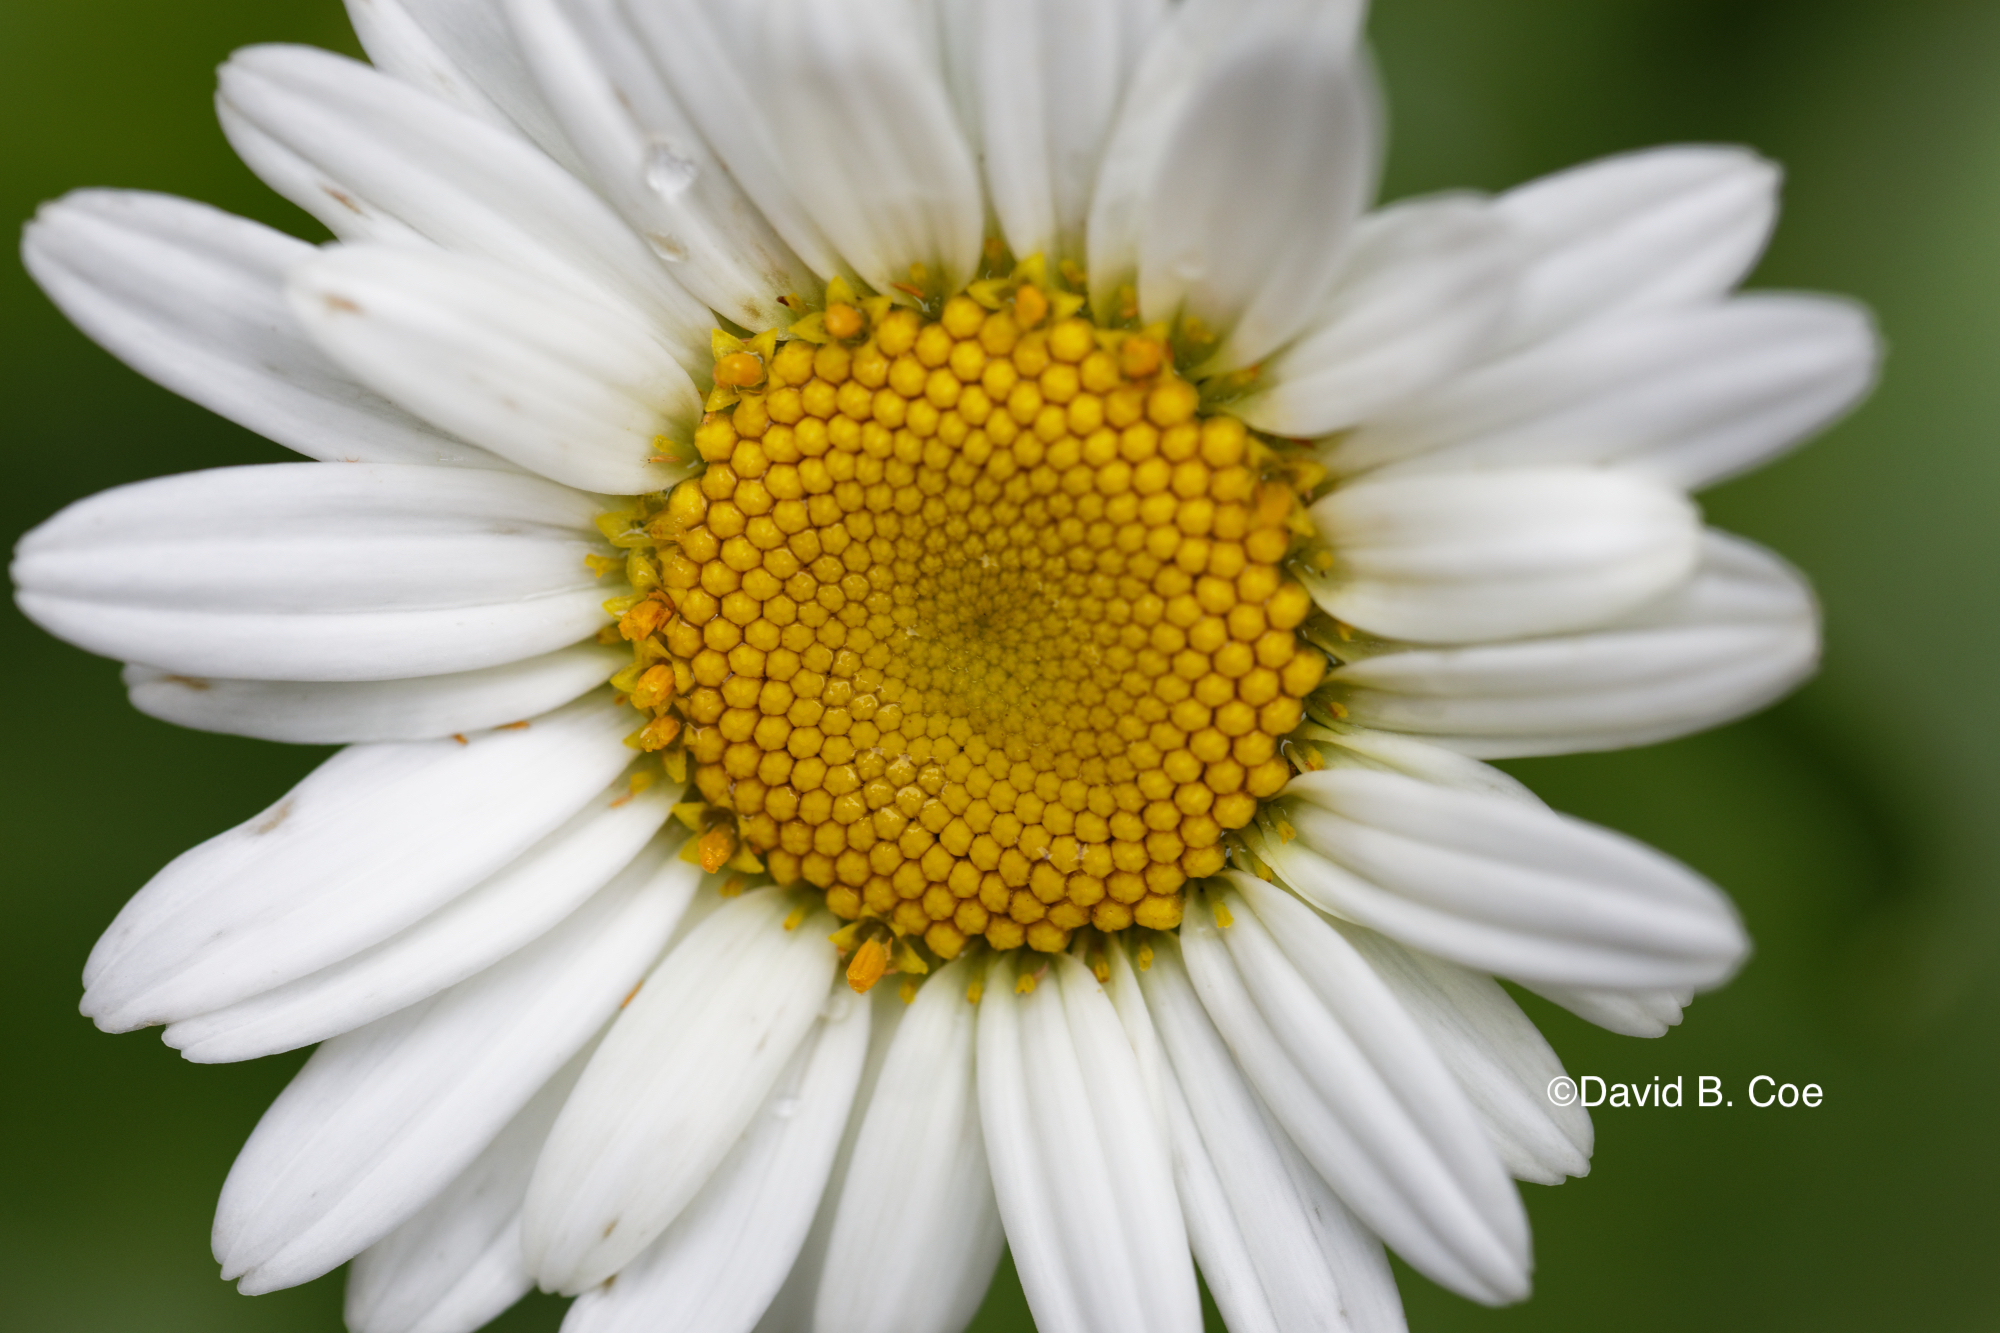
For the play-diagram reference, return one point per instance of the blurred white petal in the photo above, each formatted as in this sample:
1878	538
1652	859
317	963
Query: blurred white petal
1685	396
1349	1075
1741	633
1457	558
1650	230
1501	886
1424	289
1497	1055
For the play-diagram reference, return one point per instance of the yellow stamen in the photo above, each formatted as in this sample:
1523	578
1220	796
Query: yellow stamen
867	966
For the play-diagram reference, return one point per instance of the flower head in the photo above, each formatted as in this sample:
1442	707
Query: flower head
916	593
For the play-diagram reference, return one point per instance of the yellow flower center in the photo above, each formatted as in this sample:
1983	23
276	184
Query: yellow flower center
976	624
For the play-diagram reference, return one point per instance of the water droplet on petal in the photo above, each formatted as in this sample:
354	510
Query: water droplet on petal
786	1107
668	172
837	1006
667	247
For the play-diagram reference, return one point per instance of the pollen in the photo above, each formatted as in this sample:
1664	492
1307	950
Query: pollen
975	622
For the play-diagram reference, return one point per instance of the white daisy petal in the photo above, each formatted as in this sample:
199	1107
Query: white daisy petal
1176	68
473	931
1496	1053
1502	887
1278	1250
650	161
1741	633
381	1119
1642	231
1349	1076
1282	118
1385	750
578	391
384	147
675	1083
464	52
1457	558
1048	76
456	1264
865	129
1081	1169
713	58
719	1264
791	1310
1686	396
193	299
916	1233
1424	288
377	838
397	44
1629	1013
311	571
348	712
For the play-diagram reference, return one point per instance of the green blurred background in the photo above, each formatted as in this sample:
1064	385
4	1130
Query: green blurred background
1854	823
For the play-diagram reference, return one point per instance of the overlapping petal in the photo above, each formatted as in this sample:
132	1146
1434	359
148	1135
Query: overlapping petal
1081	1167
1461	557
1689	396
1424	289
1494	1051
1283	116
193	299
1738	635
915	1235
1650	230
1277	1248
297	888
302	571
375	159
604	846
1502	886
457	1264
1349	1076
646	155
718	1265
382	1119
864	130
464	52
680	1076
415	708
574	389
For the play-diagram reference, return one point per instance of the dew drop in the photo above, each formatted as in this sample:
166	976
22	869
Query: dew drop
668	172
667	247
837	1006
786	1107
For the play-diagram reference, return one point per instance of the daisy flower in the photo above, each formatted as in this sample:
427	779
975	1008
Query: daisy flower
916	592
